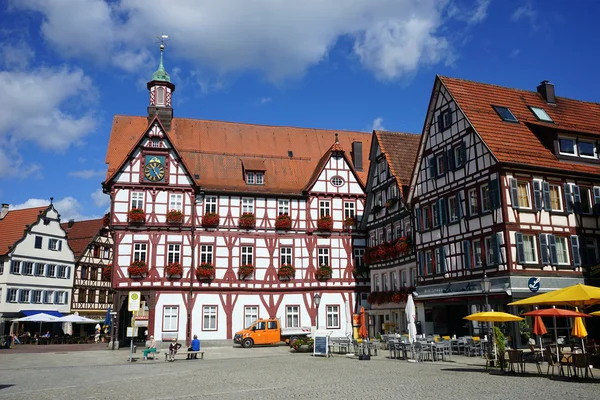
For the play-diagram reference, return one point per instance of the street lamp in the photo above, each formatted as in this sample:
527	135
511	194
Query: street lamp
486	286
317	299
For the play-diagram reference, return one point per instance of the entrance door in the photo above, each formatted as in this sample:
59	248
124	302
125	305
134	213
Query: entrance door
456	324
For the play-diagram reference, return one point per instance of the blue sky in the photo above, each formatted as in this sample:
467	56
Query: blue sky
68	66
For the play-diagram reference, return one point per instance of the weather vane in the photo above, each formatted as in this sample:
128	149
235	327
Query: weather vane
162	39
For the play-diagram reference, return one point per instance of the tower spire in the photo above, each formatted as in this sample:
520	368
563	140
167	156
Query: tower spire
161	74
161	91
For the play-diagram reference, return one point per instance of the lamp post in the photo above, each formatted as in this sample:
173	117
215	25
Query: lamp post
317	299
486	286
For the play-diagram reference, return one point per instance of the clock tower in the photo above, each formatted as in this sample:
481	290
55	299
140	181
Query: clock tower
161	92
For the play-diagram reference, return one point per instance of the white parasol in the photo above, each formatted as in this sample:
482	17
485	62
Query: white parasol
76	319
411	316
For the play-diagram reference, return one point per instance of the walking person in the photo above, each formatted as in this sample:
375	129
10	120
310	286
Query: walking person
195	346
151	348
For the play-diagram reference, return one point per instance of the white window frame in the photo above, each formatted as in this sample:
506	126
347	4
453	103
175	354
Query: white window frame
61	271
15	267
527	186
49	297
477	254
250	178
337	181
137	200
349	209
452	209
210	204
50	271
206	254
404	282
173	253
333	317
292	316
176	201
435	216
394	280
533	252
564	250
385	282
593	156
140	251
323	256
575	147
446	119
160	96
285	255
247	205
541	114
484	196
37	297
26	268
440	166
25	296
251	315
54	244
324	208
209	318
11	295
473	208
358	258
426	221
260	178
283	207
247	255
560	201
457	156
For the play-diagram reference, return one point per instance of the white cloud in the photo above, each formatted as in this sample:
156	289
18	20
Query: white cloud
524	12
100	199
281	39
15	55
378	124
12	165
265	100
68	208
88	173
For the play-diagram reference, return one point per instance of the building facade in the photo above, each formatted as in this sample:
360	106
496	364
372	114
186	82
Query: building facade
36	264
92	246
388	227
505	187
218	224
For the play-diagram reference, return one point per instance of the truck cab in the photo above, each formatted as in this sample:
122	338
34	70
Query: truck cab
267	331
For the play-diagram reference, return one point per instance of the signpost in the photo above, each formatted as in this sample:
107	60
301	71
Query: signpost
131	333
134	301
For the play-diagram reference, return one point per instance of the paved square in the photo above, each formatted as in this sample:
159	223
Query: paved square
265	373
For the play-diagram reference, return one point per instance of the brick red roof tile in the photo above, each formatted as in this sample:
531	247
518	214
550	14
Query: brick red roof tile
516	142
14	225
81	234
400	151
215	150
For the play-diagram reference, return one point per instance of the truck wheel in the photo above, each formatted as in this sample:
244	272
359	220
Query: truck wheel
293	339
247	343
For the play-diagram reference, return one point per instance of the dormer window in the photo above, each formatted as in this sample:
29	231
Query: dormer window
505	114
541	114
586	149
160	96
255	178
567	146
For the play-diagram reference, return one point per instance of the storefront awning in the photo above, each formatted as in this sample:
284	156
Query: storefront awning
54	313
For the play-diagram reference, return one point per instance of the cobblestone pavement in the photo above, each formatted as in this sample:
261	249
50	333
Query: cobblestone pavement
266	373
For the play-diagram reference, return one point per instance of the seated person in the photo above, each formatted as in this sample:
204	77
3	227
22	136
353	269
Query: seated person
151	348
46	335
173	347
195	346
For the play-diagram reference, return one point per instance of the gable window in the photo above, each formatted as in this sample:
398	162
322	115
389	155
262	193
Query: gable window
247	255
38	242
541	114
292	316
137	200
473	202
382	169
206	254
485	198
348	209
285	255
247	206
337	181
505	114
283	207
444	120
323	256
324	208
139	251
567	146
586	149
210	204
175	201
255	178
173	253
54	244
209	318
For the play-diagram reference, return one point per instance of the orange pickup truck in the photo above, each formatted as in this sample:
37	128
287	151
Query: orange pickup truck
268	331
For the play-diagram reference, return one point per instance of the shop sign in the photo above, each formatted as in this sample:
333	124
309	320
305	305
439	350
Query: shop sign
533	284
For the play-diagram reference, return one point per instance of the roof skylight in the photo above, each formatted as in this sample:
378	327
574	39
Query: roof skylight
505	114
541	114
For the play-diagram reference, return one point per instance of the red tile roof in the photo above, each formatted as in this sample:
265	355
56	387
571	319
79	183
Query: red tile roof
516	142
215	151
81	234
400	151
14	225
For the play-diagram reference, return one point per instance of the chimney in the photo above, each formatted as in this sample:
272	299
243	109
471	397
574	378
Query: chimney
546	89
71	223
357	156
4	210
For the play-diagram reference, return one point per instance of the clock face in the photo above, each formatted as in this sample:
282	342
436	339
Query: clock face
154	171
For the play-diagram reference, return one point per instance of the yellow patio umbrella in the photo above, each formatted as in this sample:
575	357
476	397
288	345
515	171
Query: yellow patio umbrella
493	316
578	295
579	329
595	313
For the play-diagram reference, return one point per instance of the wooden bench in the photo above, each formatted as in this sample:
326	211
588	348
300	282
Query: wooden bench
153	354
181	354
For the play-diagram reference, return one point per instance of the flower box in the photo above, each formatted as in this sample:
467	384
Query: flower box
205	271
286	272
175	217
174	270
325	223
138	269
323	273
349	222
390	203
107	272
245	271
247	221
402	246
106	219
136	215
210	220
283	222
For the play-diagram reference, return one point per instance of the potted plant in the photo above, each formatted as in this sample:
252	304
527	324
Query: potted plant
136	215
286	272
174	270
349	222
205	271
325	223
323	273
390	203
283	222
245	271
247	221
138	269
106	219
210	220
303	345
107	272
175	217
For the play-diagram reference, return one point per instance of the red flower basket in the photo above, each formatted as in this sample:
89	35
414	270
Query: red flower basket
205	271
174	269
324	273
210	220
286	271
245	271
349	222
247	221
402	246
283	222
138	268
107	272
325	223
136	215
175	217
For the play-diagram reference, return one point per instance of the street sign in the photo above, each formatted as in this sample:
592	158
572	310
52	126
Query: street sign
134	302
132	331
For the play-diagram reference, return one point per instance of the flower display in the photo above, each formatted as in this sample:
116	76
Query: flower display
175	217
286	271
136	215
324	272
247	221
349	222
245	270
390	203
173	269
210	220
205	271
325	223
138	268
106	219
283	222
107	272
390	296
386	251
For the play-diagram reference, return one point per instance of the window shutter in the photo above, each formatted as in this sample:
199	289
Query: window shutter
443	259
577	199
544	248
514	193
442	211
568	198
445	162
459	213
451	161
68	272
420	260
553	254
546	191
498	254
466	254
19	295
418	219
441	122
596	200
537	195
520	248
575	250
38	242
56	298
432	171
463	154
59	245
494	192
66	298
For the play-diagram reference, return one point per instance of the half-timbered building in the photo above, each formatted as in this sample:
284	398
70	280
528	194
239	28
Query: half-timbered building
388	228
220	223
92	246
506	186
